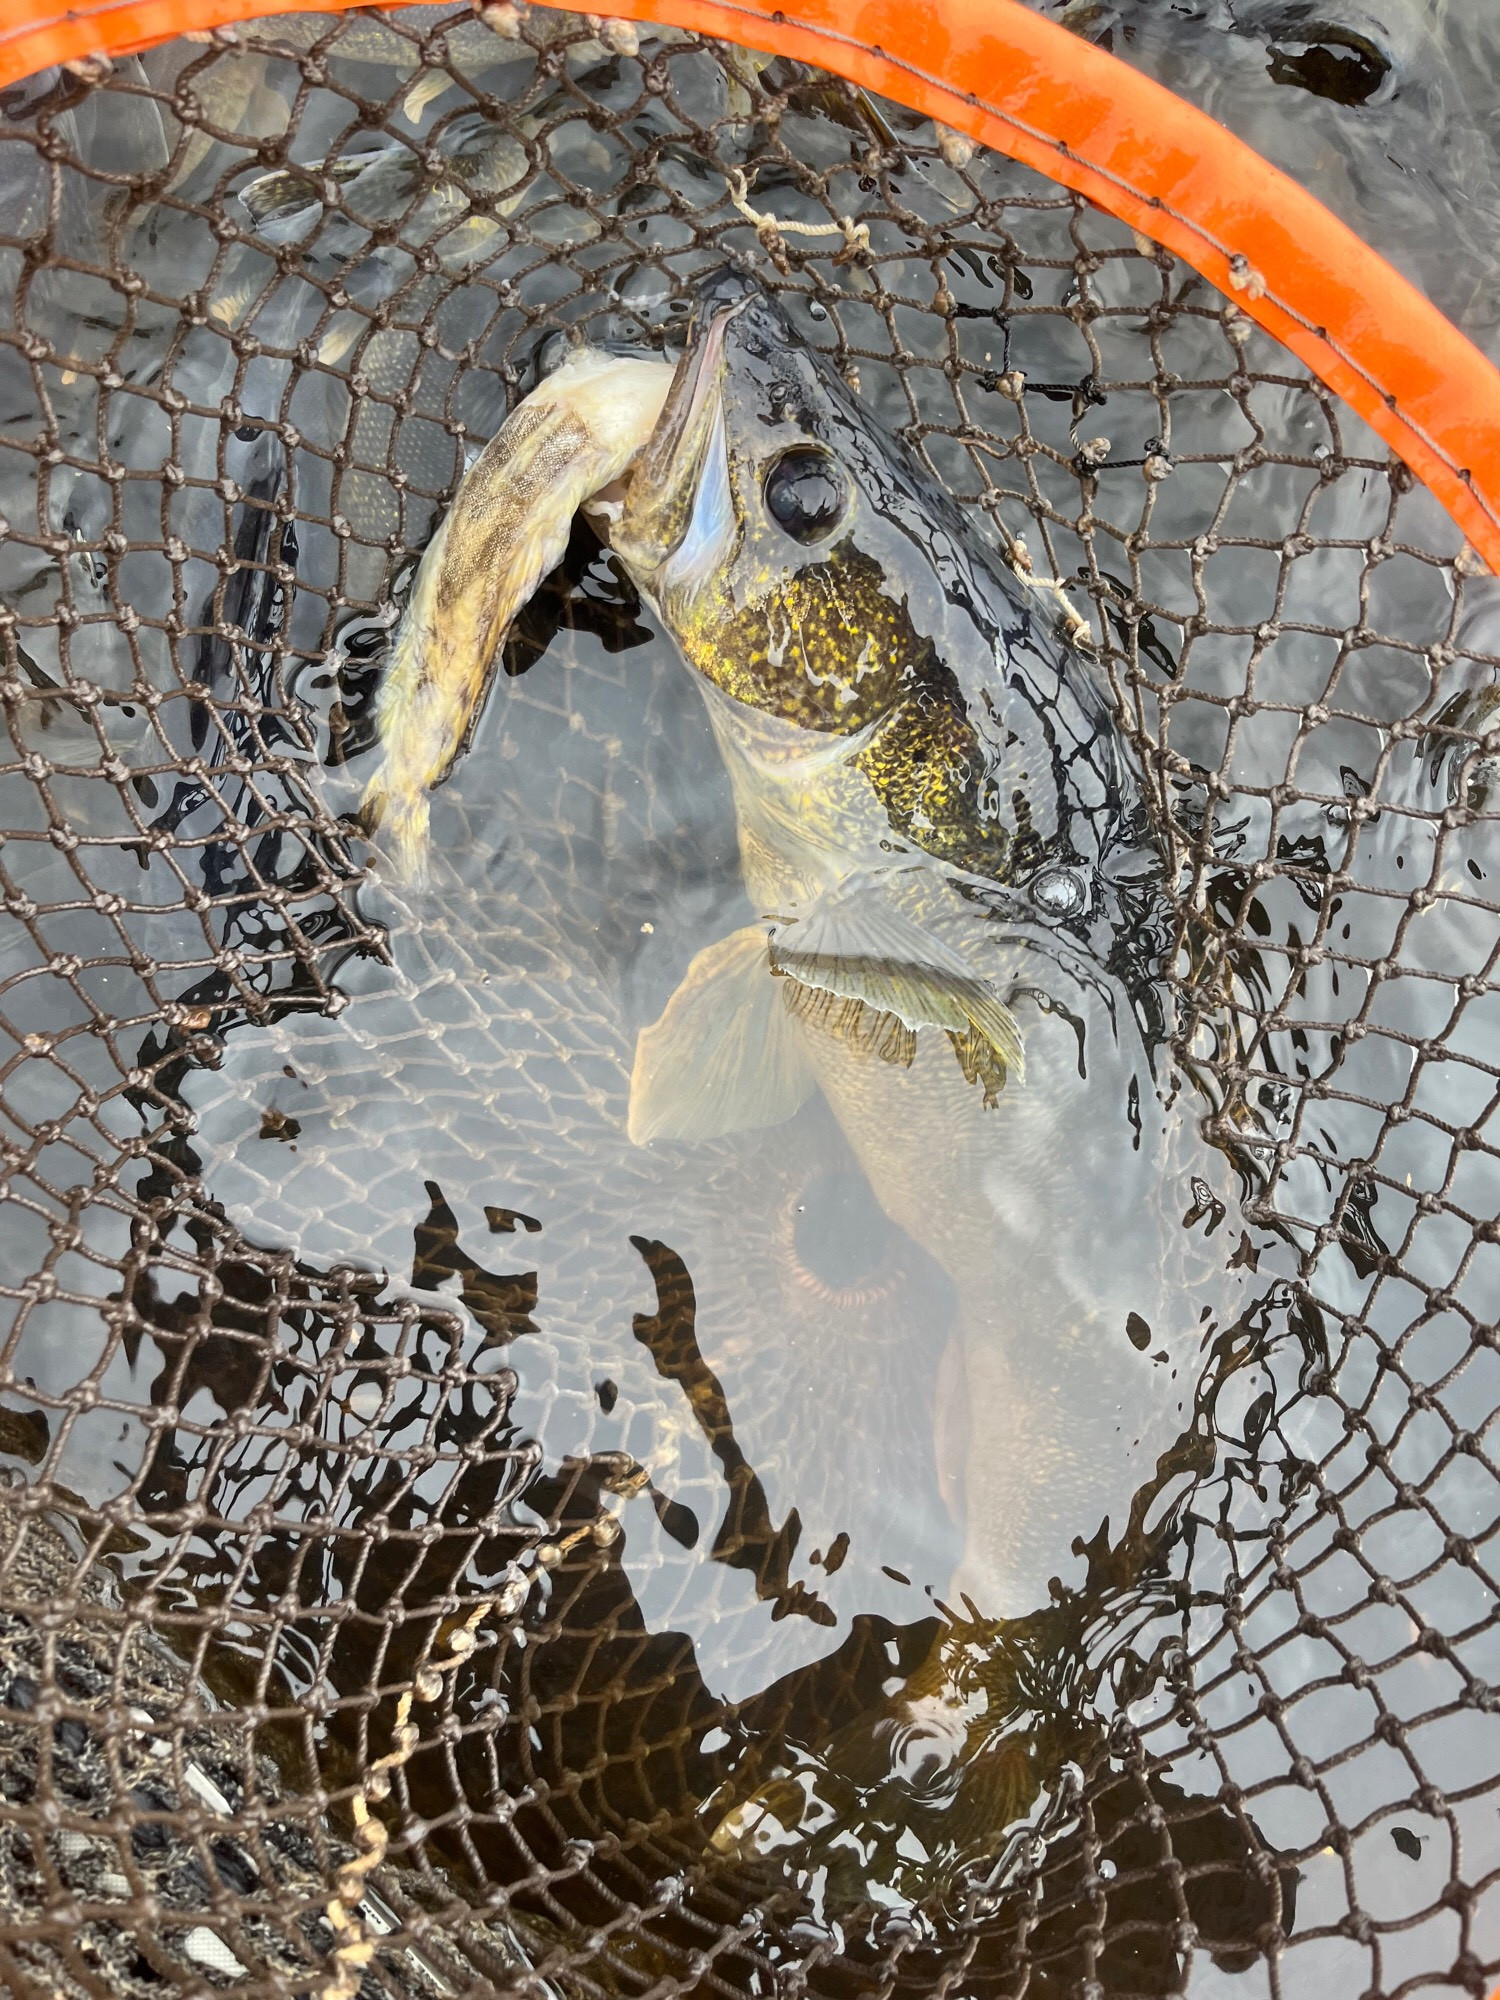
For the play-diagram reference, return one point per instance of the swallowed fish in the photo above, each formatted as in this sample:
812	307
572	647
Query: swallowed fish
564	446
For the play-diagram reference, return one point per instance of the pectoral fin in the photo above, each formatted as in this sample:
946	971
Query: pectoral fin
725	1055
857	945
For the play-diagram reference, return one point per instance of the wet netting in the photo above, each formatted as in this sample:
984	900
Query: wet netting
400	1525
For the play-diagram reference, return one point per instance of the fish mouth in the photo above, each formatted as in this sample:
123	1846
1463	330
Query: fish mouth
699	378
665	528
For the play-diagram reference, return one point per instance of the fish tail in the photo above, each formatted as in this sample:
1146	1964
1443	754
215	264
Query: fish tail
402	816
409	830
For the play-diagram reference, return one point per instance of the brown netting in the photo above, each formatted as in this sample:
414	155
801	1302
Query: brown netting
322	1667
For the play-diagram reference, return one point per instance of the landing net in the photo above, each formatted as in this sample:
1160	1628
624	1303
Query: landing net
320	1668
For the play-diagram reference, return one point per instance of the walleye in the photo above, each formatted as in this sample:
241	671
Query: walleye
961	945
962	921
563	447
946	837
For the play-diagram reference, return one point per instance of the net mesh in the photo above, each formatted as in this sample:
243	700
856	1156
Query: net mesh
321	1670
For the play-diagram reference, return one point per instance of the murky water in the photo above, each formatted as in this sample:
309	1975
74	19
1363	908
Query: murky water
735	1403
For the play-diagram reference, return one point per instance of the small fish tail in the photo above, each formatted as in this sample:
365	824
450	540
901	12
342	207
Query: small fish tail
409	830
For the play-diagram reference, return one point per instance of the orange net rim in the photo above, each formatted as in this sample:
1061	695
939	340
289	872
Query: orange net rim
1022	85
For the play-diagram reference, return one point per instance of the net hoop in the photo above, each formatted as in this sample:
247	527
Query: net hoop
1024	86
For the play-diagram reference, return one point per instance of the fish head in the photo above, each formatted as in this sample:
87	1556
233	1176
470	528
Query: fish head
854	623
755	520
748	493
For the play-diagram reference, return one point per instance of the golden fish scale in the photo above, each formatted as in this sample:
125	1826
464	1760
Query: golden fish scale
872	668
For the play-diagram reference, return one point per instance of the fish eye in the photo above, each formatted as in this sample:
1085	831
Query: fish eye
1058	892
806	493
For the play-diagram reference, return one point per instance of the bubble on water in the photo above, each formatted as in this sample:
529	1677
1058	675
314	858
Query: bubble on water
1058	892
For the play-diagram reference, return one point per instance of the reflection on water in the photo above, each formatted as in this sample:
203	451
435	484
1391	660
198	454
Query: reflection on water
853	1522
1384	109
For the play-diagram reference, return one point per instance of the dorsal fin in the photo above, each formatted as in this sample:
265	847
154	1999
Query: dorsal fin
856	944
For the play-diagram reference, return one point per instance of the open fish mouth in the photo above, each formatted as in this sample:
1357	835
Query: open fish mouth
679	513
700	378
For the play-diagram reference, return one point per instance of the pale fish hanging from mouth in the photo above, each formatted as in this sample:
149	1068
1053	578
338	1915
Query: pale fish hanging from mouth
563	447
